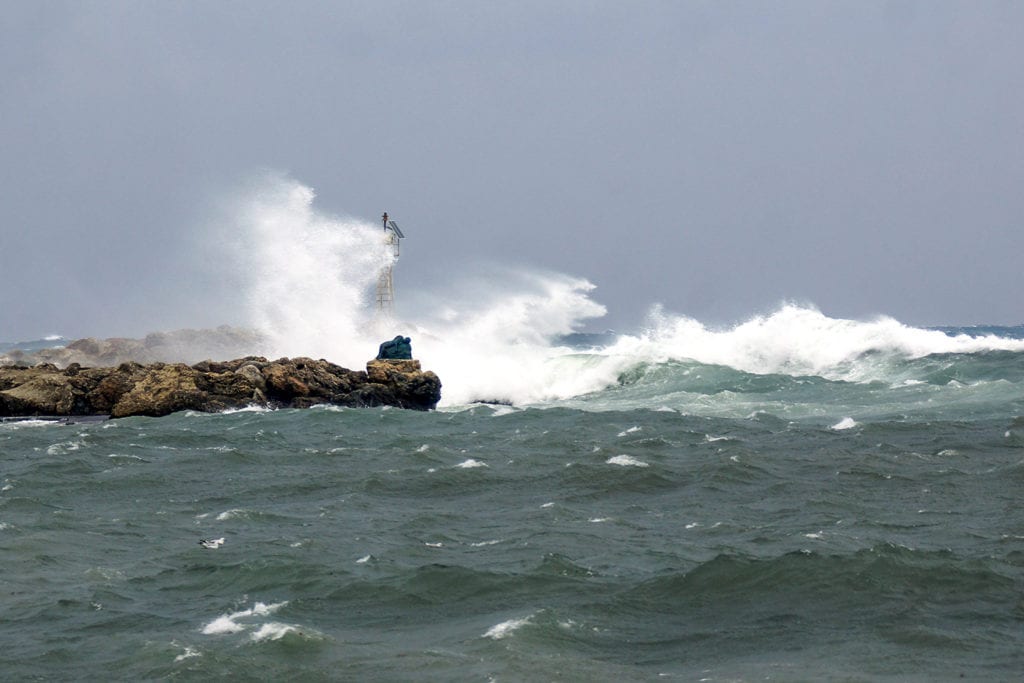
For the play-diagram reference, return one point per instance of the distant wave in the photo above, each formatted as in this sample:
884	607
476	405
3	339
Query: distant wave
678	353
801	340
52	341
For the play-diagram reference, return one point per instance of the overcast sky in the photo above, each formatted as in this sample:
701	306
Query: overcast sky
716	157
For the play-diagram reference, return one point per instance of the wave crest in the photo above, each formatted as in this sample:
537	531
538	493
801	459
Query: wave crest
799	340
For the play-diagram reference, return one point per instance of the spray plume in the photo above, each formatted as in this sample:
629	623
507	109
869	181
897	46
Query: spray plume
308	278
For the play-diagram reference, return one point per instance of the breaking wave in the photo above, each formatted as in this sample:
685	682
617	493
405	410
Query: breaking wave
308	280
510	336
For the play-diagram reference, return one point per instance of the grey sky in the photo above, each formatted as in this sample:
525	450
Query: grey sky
717	157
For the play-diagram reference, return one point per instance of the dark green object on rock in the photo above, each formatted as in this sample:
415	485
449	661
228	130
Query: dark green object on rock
399	348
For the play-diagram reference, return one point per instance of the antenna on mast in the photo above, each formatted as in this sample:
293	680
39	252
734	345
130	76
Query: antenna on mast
385	281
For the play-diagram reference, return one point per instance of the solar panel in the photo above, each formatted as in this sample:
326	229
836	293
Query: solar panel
394	226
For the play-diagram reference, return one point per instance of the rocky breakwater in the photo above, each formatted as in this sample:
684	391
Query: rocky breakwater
162	388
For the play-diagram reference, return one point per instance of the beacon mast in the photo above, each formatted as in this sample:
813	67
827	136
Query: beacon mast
385	281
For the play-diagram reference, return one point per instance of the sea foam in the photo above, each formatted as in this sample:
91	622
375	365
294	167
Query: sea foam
471	464
273	631
307	280
506	628
230	623
626	461
797	340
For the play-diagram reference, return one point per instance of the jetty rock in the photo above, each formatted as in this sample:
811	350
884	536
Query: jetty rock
159	389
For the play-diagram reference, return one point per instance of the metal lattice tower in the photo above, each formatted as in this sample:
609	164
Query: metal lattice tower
385	281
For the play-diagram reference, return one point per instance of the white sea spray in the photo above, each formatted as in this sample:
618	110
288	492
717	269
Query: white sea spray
234	622
626	461
493	334
506	628
471	464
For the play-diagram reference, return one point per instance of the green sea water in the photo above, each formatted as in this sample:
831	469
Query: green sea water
689	521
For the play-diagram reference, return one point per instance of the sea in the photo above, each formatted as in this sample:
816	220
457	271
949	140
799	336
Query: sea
792	498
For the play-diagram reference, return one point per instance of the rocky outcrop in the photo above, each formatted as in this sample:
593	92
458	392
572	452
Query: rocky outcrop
162	388
179	346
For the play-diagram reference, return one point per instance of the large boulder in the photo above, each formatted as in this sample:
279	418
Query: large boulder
404	383
163	389
45	392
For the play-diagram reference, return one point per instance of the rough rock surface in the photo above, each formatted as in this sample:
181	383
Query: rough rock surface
179	346
163	388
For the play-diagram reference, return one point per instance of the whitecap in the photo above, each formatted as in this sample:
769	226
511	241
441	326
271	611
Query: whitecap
26	423
329	408
483	543
501	410
231	514
65	447
631	430
261	609
228	623
189	653
251	408
598	520
506	628
222	624
125	456
272	631
626	461
468	464
845	423
423	449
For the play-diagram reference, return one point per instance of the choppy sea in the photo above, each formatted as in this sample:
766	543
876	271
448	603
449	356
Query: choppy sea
773	514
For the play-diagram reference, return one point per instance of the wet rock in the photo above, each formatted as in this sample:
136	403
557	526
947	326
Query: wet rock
403	382
162	388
